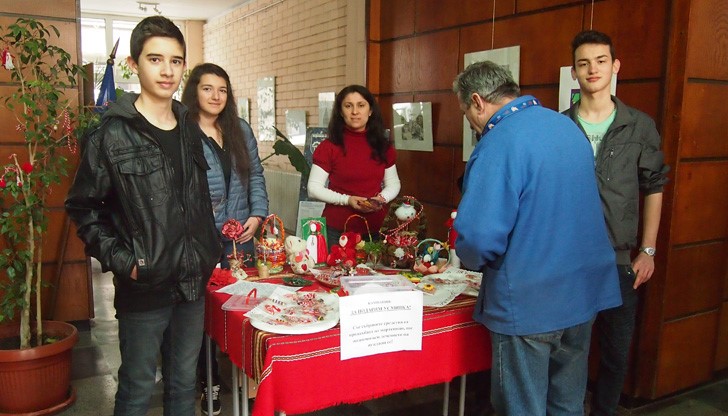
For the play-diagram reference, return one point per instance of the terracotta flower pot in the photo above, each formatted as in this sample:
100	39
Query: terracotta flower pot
36	381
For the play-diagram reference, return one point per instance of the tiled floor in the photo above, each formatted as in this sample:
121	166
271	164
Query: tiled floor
96	360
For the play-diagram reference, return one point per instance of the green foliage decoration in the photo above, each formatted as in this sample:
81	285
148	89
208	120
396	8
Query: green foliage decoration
49	122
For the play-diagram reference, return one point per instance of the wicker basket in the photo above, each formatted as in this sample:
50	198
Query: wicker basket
439	256
271	248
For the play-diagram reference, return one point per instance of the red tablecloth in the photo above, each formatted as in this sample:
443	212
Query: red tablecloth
304	373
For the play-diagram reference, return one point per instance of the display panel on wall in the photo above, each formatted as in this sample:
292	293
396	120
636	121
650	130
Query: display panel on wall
412	126
244	109
510	58
266	109
326	105
296	126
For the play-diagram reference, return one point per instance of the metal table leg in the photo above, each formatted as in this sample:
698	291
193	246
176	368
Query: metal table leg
208	371
244	392
236	395
446	399
461	404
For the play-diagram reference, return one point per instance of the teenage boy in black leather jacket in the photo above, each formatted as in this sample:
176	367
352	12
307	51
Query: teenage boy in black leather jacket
142	207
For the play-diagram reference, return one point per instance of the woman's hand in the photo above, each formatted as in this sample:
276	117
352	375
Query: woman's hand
250	227
366	205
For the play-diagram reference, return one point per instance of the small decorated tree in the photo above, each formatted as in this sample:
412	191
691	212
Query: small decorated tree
48	122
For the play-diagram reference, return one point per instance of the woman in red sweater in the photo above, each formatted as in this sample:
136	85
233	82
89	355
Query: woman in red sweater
358	161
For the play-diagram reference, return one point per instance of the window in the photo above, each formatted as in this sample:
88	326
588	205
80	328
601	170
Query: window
98	36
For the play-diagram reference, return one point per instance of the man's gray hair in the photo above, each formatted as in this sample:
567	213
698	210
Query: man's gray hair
491	81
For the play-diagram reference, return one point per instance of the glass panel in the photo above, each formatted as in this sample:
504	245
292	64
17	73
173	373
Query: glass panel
93	39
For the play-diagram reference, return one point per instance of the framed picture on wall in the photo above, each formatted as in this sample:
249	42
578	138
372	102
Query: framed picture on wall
508	57
266	109
412	126
326	105
296	126
244	109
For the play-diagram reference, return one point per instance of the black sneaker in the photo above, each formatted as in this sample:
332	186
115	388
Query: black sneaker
215	394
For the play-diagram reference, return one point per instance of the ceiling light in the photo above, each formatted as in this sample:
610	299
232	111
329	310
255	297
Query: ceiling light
143	6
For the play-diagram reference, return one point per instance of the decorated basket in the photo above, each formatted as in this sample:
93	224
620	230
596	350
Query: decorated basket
361	254
431	256
402	229
271	248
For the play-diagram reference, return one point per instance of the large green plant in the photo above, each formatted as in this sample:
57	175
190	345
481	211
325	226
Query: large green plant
48	122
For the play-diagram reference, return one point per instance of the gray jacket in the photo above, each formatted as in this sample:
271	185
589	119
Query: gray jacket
629	161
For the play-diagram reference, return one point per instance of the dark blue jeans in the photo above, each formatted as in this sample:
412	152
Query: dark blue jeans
176	331
614	328
541	374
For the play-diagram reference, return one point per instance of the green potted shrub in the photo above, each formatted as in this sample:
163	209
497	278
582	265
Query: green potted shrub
48	122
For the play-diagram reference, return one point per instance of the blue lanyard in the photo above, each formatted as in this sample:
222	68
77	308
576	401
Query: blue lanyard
503	113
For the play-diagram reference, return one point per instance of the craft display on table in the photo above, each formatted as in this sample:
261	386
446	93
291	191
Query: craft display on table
439	294
455	276
297	255
403	227
314	233
432	256
286	312
232	229
270	250
331	276
344	253
361	253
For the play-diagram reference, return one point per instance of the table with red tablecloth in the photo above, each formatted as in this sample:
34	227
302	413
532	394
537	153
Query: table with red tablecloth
304	373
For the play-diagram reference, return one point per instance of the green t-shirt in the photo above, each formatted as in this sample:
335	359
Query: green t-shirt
595	131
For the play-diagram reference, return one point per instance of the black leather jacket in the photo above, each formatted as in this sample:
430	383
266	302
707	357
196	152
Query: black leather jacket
129	214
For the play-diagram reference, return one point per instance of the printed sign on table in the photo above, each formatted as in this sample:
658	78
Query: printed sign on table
377	323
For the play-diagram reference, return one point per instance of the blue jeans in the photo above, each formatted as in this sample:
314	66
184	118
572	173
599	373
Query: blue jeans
176	331
614	328
540	374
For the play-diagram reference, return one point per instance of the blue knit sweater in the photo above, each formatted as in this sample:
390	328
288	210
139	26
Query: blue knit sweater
530	218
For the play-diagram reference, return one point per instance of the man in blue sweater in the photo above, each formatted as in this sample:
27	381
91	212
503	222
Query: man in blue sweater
531	220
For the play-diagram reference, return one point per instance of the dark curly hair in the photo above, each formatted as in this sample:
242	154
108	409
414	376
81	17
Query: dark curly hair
227	120
376	136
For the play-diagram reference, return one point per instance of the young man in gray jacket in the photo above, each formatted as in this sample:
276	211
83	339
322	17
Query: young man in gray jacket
628	160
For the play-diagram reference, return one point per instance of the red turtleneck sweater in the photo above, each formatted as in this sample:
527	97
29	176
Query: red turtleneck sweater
352	171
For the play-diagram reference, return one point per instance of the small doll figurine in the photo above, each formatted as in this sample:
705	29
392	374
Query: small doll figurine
452	235
316	243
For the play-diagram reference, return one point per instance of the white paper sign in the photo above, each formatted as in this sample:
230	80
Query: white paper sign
380	322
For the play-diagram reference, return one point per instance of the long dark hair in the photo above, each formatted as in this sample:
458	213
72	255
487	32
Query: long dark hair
227	120
376	137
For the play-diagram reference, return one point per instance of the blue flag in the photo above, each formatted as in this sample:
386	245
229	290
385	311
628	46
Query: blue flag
107	92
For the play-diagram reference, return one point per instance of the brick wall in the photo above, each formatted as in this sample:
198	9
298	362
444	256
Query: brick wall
302	43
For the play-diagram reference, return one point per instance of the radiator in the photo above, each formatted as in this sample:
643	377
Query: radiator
283	189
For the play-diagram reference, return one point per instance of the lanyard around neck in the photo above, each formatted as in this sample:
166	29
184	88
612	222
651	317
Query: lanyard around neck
509	111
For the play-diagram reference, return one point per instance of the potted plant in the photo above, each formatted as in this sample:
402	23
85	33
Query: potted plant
48	122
